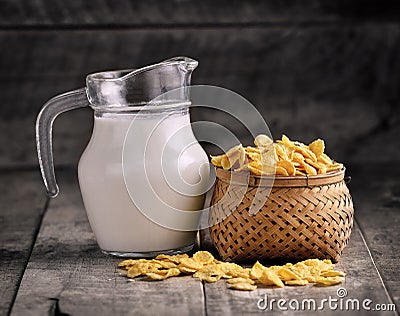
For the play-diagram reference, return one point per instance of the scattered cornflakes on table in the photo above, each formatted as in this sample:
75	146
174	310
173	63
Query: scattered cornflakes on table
205	267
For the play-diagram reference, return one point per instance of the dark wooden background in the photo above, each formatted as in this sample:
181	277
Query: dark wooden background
313	68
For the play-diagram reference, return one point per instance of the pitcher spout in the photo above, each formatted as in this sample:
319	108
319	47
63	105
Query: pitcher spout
187	64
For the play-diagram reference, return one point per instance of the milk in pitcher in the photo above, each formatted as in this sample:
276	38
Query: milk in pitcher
116	221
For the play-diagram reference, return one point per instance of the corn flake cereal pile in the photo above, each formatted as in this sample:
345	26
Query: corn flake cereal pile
206	268
282	158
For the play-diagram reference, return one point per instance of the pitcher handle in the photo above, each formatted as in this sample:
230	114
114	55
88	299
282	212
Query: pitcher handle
44	125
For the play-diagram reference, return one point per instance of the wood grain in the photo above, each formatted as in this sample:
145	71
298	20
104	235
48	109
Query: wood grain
376	193
16	13
22	203
68	272
338	83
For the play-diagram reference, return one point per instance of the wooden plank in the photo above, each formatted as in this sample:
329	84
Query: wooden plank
67	272
174	12
376	193
362	282
22	202
66	254
291	74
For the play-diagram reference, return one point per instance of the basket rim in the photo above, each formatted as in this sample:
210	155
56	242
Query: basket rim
247	179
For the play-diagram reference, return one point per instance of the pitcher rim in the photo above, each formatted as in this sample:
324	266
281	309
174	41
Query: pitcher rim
190	63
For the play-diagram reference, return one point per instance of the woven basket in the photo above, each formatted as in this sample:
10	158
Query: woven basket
303	217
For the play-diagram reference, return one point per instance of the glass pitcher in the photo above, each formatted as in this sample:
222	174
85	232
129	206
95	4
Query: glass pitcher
125	112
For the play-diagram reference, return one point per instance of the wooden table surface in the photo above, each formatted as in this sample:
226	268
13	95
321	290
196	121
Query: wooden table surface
51	264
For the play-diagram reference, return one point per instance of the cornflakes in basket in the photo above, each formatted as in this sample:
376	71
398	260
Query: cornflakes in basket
282	158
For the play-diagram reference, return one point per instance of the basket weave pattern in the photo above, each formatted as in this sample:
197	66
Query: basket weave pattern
295	222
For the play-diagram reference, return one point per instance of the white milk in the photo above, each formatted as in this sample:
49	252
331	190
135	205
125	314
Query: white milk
118	224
